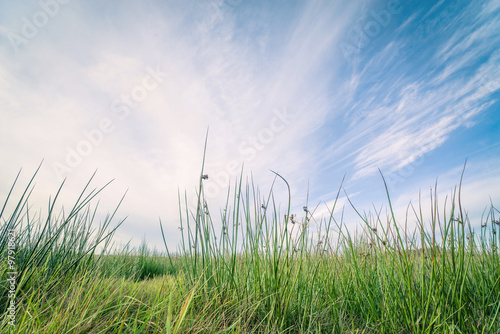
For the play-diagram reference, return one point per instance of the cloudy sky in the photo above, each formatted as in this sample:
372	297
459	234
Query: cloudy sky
314	90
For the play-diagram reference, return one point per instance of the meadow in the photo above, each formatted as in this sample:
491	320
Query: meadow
250	268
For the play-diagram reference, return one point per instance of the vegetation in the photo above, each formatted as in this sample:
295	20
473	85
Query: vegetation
253	271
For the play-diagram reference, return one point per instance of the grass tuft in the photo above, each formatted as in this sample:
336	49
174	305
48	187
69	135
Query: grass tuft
254	269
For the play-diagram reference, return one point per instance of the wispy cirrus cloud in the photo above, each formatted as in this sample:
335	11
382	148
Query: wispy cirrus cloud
399	113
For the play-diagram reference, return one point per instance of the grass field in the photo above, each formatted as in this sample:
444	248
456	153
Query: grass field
255	270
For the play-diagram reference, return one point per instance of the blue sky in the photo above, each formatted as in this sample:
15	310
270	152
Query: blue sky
313	90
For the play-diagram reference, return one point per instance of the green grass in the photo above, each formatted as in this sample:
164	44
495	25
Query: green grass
252	269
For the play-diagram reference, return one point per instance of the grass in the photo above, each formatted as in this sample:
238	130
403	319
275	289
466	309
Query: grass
253	270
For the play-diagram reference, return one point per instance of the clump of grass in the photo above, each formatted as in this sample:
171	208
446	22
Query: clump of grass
48	250
137	264
276	275
63	284
151	264
255	269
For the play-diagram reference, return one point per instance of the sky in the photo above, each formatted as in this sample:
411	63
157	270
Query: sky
318	91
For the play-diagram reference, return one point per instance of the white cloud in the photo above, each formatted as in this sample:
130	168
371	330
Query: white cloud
64	82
